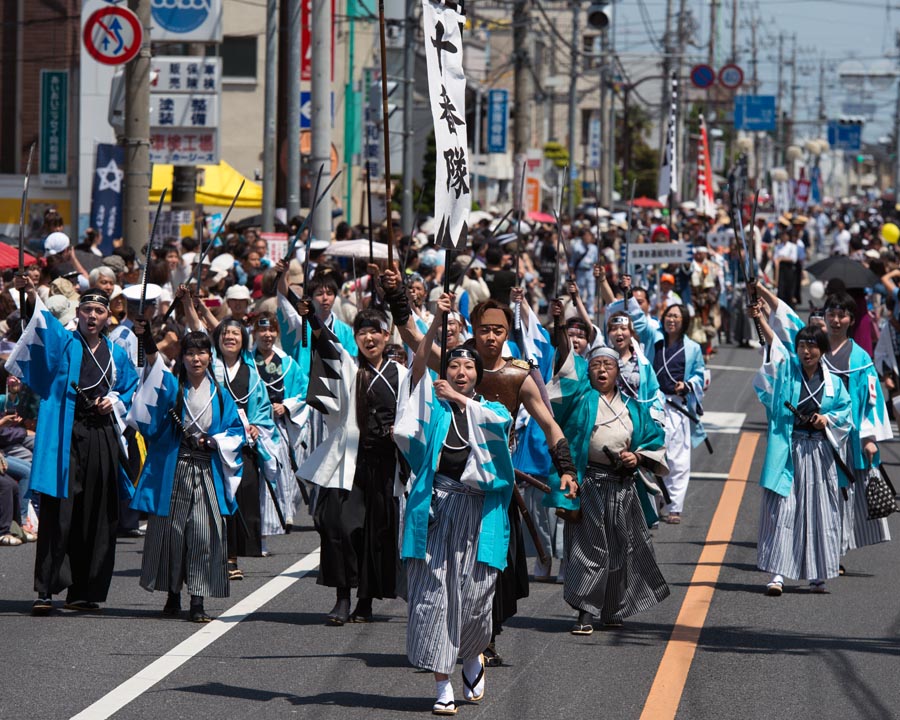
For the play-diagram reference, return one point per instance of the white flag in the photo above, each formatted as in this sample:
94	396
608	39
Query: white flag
668	170
447	90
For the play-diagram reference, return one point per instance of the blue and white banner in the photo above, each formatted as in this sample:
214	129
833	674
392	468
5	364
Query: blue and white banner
447	90
106	194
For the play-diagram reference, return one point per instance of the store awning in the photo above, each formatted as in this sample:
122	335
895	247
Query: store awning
217	186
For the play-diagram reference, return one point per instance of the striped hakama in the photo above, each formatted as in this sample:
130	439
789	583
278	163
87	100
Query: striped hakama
450	593
800	535
857	529
187	547
611	571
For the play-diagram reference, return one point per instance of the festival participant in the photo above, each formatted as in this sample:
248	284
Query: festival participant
76	471
456	528
513	383
323	292
193	468
282	378
800	517
678	362
853	365
636	379
356	510
235	370
611	570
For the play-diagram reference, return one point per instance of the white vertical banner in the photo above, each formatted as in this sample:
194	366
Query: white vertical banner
447	90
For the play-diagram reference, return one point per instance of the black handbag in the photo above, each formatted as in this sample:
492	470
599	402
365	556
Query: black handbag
880	494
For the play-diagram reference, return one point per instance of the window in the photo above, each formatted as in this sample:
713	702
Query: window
239	54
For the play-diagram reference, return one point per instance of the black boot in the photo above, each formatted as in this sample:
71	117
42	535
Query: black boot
362	613
340	613
197	613
172	607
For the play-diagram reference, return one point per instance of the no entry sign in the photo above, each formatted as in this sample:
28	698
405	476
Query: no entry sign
113	35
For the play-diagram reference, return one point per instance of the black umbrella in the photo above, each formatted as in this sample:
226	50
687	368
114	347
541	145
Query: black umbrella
255	221
839	267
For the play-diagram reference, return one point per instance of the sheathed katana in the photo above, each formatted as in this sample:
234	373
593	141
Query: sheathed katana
690	416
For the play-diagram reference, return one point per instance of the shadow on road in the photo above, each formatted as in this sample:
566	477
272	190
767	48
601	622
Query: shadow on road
333	699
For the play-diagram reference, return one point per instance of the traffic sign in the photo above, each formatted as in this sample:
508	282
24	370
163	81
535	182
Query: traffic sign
186	21
844	137
113	35
731	76
702	76
754	113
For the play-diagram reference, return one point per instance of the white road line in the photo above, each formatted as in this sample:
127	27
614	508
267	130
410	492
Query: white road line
733	367
709	475
726	423
158	670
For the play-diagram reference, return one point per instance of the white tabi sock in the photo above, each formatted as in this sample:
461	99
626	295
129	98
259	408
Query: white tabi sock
444	691
777	579
471	668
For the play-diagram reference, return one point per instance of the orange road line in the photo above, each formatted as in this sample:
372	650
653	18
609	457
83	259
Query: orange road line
671	676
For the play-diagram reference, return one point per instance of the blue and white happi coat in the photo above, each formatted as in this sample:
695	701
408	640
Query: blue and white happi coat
271	450
531	454
150	415
47	359
419	431
779	380
867	401
575	403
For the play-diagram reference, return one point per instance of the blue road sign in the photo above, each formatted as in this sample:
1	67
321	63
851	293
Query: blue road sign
754	113
498	120
703	76
844	137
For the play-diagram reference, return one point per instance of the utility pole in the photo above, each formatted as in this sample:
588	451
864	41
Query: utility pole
521	93
271	117
136	218
183	195
734	24
680	144
713	31
320	89
821	109
754	83
605	150
292	135
573	104
779	103
897	138
793	115
666	71
409	76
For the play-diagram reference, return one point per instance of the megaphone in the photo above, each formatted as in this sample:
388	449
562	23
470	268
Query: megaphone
599	15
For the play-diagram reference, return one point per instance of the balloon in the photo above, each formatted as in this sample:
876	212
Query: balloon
891	233
817	290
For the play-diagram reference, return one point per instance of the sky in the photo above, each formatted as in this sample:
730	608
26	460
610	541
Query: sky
828	31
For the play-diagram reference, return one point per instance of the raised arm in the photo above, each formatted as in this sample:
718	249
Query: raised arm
606	293
572	289
426	345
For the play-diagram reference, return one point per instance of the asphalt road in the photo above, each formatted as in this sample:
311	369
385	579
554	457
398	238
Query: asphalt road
799	656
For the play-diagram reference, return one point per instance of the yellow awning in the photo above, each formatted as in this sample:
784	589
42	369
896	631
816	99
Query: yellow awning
219	184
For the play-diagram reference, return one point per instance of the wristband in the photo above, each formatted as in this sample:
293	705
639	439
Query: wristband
149	342
562	459
398	303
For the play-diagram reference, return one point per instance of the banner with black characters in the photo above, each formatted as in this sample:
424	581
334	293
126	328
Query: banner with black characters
447	90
